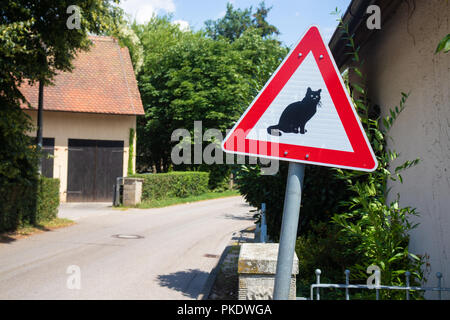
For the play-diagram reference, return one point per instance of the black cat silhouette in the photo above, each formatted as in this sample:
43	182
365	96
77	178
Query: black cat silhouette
297	114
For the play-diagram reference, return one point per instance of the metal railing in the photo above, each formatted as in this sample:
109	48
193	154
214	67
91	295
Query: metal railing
377	288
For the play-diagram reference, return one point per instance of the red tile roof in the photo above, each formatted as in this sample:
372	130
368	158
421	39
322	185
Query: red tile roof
102	81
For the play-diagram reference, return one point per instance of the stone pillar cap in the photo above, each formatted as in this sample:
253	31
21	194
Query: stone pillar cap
131	180
261	258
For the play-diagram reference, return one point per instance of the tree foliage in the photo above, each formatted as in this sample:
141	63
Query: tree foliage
444	44
260	21
36	43
236	21
187	76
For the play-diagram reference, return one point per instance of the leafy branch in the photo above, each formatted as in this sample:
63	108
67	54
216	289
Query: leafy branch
444	44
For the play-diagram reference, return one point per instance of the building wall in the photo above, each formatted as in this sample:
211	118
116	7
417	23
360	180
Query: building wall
400	58
69	125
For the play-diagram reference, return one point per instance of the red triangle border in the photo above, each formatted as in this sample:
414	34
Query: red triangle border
362	157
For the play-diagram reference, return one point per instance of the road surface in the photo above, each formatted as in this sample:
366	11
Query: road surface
177	249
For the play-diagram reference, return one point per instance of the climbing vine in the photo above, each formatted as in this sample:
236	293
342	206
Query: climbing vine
378	228
131	152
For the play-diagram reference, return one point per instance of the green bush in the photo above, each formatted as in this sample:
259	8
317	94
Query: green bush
47	199
322	192
321	249
13	205
268	189
28	202
219	176
173	184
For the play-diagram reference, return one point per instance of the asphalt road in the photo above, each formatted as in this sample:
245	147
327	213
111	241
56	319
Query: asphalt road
180	245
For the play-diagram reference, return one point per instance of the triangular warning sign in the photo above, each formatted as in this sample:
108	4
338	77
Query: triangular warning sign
304	114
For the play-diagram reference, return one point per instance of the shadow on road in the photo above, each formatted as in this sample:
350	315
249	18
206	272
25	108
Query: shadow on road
6	239
189	282
239	217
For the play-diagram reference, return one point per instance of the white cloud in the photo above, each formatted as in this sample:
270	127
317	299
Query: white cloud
143	10
183	25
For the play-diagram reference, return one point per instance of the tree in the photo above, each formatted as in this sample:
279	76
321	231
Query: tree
231	26
34	32
237	21
260	22
157	38
187	77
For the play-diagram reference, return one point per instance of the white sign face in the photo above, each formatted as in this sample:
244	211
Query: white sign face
304	114
324	130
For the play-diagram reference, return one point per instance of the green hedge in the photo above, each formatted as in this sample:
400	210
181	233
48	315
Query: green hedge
47	199
173	184
28	202
13	205
322	193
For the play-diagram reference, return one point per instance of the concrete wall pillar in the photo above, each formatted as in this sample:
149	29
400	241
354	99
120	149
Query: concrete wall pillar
257	266
132	191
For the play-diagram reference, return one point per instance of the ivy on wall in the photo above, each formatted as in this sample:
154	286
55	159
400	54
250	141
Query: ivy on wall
131	152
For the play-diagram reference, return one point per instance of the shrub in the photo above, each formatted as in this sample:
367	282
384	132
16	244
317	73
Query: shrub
13	205
173	184
18	164
47	199
28	202
257	189
321	195
320	249
219	176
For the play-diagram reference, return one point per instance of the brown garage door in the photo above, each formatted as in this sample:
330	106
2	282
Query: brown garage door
93	168
48	148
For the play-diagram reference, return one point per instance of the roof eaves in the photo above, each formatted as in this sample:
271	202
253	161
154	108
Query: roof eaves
355	17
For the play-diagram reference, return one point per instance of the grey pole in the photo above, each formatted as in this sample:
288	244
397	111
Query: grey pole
288	236
39	122
347	282
439	276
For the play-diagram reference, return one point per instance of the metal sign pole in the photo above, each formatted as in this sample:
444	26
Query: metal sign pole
288	237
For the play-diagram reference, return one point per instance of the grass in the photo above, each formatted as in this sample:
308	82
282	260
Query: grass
27	229
147	204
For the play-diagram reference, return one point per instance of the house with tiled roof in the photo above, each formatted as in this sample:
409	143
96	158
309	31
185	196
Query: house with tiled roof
89	121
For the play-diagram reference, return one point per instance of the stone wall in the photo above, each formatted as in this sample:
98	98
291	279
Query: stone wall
257	268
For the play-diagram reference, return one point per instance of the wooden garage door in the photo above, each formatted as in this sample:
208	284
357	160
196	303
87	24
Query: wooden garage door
93	168
48	147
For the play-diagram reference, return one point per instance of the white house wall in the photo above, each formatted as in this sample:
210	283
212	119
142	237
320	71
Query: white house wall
70	125
400	58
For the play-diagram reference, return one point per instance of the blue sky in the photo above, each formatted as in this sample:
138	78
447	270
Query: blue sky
291	17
